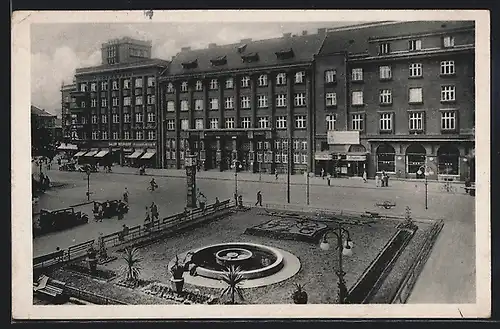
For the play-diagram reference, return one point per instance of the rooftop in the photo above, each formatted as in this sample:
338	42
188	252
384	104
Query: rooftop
122	40
40	112
147	62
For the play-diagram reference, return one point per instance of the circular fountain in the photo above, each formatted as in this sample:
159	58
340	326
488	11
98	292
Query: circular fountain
233	256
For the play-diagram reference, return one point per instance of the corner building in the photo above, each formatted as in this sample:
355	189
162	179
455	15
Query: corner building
250	101
396	97
113	107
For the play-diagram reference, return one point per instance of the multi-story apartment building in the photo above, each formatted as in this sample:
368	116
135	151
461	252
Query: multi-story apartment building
396	98
249	101
66	91
113	109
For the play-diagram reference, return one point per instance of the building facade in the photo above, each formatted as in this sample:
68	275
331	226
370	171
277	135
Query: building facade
113	107
66	91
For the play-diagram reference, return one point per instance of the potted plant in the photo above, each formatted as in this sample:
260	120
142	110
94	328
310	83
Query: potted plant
233	279
132	268
177	270
299	295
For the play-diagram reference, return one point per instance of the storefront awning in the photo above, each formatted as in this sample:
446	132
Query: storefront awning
67	147
135	155
91	153
79	154
101	154
149	154
325	156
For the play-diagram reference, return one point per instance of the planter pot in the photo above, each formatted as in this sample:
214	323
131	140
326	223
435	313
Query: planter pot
178	284
300	300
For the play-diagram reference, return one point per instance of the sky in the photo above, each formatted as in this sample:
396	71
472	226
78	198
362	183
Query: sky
58	49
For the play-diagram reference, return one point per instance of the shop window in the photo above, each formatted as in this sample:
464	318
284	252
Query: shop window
415	159
386	158
448	160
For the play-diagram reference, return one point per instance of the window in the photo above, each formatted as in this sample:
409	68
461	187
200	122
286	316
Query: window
447	93
93	86
331	99
151	81
214	84
126	134
170	87
414	45
304	158
299	77
281	122
385	96
281	100
262	80
184	105
214	103
170	124
184	86
415	95
104	135
331	76
138	117
229	83
229	123
416	121
448	157
277	158
151	99
104	102
448	120
151	135
300	99
384	48
95	135
385	72
263	122
281	79
229	103
246	122
330	122
386	121
214	123
184	124
138	100
447	67
126	101
415	70
357	98
126	118
300	121
296	158
198	124
386	158
151	117
357	74
84	120
173	155
82	104
448	41
93	102
198	104
115	101
259	157
304	145
245	102
262	101
94	119
357	122
284	157
138	82
126	84
415	159
104	118
170	106
277	145
245	81
104	85
115	135
139	134
83	87
116	118
199	85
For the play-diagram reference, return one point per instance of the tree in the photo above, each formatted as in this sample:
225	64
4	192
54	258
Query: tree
42	141
233	278
132	260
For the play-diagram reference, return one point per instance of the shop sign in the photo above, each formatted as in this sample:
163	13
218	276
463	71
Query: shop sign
132	144
356	157
343	137
323	156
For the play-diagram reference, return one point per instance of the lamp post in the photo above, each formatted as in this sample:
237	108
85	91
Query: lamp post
344	249
88	183
423	169
236	165
307	187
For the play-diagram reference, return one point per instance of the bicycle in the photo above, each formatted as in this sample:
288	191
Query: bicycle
152	188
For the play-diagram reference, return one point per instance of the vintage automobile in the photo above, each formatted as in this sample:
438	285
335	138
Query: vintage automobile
58	220
69	166
109	209
85	167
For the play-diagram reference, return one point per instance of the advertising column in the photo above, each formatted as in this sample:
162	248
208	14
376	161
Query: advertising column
190	164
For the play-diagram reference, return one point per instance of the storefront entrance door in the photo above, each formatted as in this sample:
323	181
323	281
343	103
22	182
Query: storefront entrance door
356	168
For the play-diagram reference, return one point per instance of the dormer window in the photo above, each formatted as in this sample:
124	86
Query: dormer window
221	60
384	48
199	85
285	54
242	48
190	65
170	87
184	86
251	57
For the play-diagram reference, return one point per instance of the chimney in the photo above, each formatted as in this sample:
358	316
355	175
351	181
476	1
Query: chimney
322	31
304	32
287	35
246	40
185	48
212	45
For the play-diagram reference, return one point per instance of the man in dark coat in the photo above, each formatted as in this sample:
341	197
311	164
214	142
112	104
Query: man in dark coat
259	198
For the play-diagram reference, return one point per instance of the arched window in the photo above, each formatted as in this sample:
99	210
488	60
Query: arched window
386	158
415	158
357	149
448	160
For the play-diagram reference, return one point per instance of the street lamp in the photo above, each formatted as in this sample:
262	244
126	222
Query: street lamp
344	249
307	187
236	165
423	169
87	171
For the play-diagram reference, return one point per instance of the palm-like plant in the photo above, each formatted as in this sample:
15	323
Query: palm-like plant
233	278
132	267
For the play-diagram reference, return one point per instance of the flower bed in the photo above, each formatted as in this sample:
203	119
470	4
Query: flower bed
82	268
187	296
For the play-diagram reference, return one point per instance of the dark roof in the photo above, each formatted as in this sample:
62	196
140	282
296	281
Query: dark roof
338	40
304	48
40	112
122	66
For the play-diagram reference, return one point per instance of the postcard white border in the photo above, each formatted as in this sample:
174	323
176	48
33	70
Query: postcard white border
22	307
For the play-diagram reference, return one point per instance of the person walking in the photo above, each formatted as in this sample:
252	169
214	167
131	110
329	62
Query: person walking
328	179
125	195
383	179
259	198
377	180
323	173
276	173
154	211
364	176
386	180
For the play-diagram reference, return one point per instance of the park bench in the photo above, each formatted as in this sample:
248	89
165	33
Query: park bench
51	288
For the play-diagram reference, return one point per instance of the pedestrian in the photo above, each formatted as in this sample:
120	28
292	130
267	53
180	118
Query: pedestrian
240	201
323	173
125	195
383	178
154	211
276	173
259	198
386	180
147	219
328	179
377	180
364	176
217	203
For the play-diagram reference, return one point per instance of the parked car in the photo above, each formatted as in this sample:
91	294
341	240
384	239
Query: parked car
58	220
109	209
